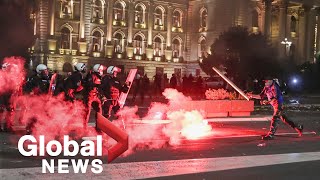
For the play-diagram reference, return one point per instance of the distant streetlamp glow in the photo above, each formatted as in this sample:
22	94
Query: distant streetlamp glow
295	81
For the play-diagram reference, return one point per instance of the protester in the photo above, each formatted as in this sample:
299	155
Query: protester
275	99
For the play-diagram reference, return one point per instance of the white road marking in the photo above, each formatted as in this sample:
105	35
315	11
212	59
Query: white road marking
256	135
150	169
213	136
165	121
243	119
217	136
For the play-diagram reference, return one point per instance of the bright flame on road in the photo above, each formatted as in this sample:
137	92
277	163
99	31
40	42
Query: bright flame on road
158	115
191	124
196	130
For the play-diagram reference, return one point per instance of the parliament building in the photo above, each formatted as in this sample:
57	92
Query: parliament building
166	36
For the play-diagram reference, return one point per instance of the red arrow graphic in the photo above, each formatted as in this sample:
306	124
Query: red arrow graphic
117	134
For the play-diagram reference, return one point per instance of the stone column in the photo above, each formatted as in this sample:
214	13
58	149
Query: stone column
150	23
168	51
267	17
149	49
52	16
82	44
52	42
81	30
282	26
307	29
169	26
110	20
318	29
262	17
131	15
108	46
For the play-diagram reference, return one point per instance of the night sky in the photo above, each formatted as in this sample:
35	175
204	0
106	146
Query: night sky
16	28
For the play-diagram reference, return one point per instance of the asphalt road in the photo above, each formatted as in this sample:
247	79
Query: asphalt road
234	151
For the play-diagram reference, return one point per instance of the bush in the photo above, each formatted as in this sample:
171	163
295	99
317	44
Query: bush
220	94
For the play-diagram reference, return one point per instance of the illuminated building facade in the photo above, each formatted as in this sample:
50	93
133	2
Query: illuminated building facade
167	36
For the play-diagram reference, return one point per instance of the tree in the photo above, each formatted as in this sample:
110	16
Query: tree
16	32
244	55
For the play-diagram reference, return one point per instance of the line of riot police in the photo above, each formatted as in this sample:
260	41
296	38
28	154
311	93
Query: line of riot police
98	90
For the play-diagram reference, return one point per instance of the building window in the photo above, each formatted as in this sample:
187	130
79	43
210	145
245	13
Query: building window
118	43
65	38
203	45
177	19
176	48
157	47
66	9
293	24
97	41
98	11
137	44
139	14
33	18
119	11
159	18
203	18
202	48
255	21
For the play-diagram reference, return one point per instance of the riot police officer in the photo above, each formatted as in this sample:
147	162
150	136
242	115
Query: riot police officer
112	88
74	83
93	93
40	82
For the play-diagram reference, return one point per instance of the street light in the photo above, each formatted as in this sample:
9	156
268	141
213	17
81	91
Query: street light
287	44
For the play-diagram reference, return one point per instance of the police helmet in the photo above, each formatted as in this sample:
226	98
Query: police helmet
112	69
40	68
98	68
5	66
80	67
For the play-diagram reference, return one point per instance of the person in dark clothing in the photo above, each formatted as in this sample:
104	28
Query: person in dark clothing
111	88
40	82
74	83
6	111
59	82
93	92
173	81
137	86
157	83
200	90
6	107
190	80
146	88
164	82
184	83
275	99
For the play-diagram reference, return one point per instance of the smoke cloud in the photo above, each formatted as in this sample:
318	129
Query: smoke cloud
183	124
54	117
12	74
